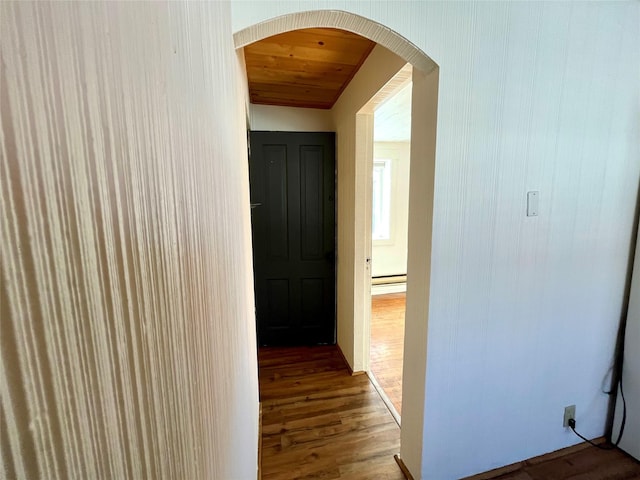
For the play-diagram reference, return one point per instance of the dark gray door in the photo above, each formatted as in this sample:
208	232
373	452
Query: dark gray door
292	179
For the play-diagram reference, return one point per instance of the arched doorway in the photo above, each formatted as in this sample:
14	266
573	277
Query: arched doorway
353	257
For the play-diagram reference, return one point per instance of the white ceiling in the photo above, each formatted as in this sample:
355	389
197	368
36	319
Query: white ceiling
392	119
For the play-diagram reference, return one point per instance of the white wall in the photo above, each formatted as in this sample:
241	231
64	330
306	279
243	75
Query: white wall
290	119
523	310
389	257
126	298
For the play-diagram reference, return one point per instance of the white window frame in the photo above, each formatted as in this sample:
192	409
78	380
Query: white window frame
381	202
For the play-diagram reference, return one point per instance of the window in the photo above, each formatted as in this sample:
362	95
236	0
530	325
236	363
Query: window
381	200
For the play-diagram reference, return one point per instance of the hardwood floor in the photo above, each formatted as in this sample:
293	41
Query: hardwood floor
582	463
319	422
387	344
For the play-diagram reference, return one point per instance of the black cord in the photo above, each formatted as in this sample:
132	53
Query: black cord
624	414
572	424
613	446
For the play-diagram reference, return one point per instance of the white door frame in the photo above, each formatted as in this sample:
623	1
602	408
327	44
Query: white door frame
364	156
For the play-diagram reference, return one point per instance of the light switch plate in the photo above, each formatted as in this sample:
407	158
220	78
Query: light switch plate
532	203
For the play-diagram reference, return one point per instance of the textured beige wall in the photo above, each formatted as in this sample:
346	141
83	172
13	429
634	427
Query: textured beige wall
290	119
424	120
353	221
126	302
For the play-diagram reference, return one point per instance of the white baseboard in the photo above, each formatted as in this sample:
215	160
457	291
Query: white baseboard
388	288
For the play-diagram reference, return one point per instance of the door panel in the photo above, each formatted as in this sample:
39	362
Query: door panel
312	300
278	302
311	203
293	225
275	157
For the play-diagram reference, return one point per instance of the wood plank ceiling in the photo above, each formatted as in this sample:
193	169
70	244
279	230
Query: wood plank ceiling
304	68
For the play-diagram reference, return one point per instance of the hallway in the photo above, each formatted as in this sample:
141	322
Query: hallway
318	421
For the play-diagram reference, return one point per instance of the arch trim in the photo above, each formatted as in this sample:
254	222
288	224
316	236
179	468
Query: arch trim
338	19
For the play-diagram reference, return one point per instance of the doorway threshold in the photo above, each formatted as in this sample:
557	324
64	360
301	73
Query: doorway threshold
385	398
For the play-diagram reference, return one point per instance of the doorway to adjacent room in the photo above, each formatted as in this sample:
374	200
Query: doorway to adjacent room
354	159
389	233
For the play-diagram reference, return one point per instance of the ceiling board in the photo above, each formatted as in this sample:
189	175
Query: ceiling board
304	68
392	120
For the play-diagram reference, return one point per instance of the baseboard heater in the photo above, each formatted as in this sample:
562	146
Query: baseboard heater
388	279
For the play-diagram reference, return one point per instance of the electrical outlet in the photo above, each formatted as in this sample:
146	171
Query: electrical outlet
569	413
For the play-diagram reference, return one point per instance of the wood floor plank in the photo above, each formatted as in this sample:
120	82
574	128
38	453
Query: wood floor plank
319	422
588	464
387	344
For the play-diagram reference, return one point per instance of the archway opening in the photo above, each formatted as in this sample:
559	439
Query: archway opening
354	159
